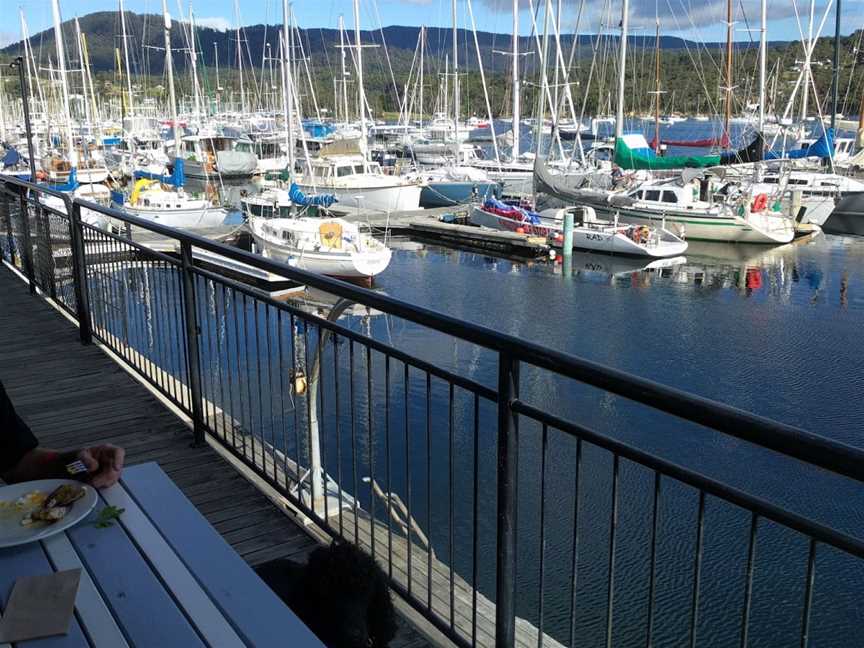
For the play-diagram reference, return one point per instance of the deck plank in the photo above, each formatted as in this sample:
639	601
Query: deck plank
72	396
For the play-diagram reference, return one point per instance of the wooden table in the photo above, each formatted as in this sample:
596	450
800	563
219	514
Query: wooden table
161	576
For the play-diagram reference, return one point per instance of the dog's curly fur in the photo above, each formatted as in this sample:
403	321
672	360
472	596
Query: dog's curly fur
341	594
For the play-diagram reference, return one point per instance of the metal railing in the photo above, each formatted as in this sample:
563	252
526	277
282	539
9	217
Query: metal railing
345	425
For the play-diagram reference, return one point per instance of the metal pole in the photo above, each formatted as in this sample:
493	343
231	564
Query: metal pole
18	62
192	333
836	64
10	240
79	273
568	233
622	67
508	463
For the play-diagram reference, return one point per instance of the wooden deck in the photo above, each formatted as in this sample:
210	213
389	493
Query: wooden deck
72	395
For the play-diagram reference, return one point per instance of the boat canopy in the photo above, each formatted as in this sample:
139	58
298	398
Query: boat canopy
821	148
177	177
299	198
753	152
632	152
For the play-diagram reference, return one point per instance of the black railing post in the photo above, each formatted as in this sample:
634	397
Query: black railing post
79	273
27	252
192	332
508	462
10	239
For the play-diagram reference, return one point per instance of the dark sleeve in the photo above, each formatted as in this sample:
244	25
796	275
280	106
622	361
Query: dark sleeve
16	439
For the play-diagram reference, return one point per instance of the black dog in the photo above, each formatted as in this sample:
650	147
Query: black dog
341	594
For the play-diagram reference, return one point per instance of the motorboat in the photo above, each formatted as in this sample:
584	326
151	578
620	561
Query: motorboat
209	155
589	232
329	246
356	183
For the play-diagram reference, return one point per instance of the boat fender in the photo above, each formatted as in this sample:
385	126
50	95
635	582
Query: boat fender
760	203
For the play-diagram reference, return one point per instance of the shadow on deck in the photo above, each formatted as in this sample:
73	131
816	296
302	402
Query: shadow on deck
73	395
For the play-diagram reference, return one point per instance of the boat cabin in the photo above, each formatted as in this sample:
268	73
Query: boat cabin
333	168
669	196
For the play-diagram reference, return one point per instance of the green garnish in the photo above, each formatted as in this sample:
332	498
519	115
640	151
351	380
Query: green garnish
107	516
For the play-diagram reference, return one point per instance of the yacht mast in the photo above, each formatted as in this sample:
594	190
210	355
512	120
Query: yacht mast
836	65
422	47
169	68
61	60
342	49
808	55
455	82
126	54
763	53
360	89
240	57
727	114
287	93
515	81
193	59
88	118
622	67
657	88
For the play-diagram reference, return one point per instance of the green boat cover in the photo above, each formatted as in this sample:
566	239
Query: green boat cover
645	158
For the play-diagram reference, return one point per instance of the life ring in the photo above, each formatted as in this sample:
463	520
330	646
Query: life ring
760	203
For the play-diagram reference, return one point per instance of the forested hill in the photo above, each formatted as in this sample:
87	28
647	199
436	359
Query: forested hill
102	31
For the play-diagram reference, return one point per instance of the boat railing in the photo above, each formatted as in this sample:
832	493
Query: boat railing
566	502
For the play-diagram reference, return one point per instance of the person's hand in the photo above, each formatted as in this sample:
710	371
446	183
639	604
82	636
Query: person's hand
104	463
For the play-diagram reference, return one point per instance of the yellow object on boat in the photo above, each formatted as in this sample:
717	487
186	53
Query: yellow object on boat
331	235
140	185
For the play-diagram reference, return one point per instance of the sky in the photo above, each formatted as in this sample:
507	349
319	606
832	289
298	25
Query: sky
695	19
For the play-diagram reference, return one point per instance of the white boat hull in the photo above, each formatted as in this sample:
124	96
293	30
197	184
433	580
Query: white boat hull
386	199
591	237
180	218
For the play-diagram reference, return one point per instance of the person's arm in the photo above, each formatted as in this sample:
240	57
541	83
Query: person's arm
21	458
104	464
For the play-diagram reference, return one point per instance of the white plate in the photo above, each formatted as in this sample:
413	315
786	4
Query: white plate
13	533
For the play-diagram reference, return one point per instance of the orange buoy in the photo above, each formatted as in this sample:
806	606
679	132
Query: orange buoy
520	230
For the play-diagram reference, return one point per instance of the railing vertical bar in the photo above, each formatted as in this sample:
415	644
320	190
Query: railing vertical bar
697	568
142	307
748	587
192	345
29	268
574	559
353	415
451	478
475	521
371	448
119	333
281	370
429	490
182	365
10	238
407	472
262	442
388	467
224	371
321	409
240	420
271	416
162	330
808	594
250	405
79	276
227	404
203	320
338	430
507	504
613	543
313	491
652	567
544	447
295	358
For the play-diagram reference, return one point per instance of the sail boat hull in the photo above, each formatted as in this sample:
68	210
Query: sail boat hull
847	217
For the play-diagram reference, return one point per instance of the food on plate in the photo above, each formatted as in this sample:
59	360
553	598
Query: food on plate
64	496
49	515
35	506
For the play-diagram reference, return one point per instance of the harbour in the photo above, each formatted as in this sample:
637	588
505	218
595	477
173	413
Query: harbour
573	363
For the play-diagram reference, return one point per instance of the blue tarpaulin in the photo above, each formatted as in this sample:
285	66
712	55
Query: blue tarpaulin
299	198
177	177
821	148
11	158
71	183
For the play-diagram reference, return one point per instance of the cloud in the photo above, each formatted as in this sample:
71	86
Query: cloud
676	16
216	22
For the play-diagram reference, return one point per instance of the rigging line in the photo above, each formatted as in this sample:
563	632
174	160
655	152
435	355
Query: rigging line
387	55
483	80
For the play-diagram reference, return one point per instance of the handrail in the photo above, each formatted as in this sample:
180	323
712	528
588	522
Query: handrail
814	449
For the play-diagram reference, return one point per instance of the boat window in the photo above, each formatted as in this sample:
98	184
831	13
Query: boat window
797	181
771	180
285	235
653	195
146	202
669	197
344	171
358	169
